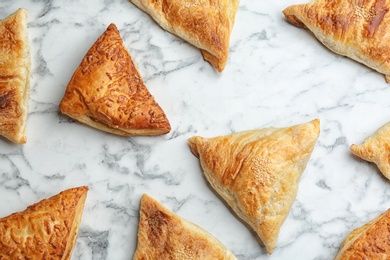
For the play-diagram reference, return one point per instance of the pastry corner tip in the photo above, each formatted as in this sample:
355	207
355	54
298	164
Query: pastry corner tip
22	10
316	121
387	78
144	196
194	140
270	249
83	188
353	148
112	26
146	199
194	148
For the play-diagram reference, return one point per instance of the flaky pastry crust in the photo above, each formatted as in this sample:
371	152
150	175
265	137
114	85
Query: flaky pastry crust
14	76
164	235
205	24
371	241
45	230
359	30
257	172
376	149
107	92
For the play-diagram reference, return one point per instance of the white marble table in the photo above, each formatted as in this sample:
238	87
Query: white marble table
277	75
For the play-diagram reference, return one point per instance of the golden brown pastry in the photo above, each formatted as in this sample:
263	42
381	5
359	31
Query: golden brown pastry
359	30
14	76
45	230
107	92
371	241
376	149
164	235
257	172
205	24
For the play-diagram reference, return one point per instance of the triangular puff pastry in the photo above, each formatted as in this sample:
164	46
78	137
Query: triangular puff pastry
371	241
205	24
14	76
45	230
257	172
359	30
107	92
164	235
376	149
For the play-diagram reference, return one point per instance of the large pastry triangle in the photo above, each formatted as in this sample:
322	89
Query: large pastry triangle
205	24
376	149
164	235
14	76
107	92
370	241
257	172
45	230
359	30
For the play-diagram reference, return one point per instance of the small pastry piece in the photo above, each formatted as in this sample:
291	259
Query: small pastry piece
164	235
205	24
359	30
45	230
107	92
376	149
14	76
257	172
371	241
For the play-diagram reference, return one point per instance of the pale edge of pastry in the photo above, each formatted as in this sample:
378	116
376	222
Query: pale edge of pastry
17	132
116	131
77	221
165	235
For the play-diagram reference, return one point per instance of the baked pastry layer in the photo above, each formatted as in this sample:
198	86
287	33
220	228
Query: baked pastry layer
14	76
257	172
107	92
370	241
359	30
45	230
164	235
205	24
376	149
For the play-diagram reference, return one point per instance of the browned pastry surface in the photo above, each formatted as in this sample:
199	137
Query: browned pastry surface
205	24
376	149
164	235
371	241
14	76
257	172
107	92
359	30
45	230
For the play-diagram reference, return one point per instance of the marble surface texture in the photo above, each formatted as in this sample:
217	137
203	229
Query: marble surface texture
276	75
